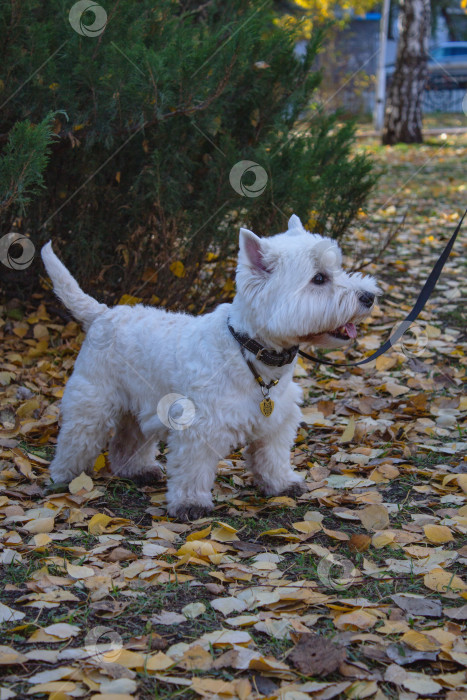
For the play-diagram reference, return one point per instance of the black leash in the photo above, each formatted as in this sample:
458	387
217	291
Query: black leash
405	324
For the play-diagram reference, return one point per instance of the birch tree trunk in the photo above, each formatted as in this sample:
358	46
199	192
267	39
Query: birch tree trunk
403	113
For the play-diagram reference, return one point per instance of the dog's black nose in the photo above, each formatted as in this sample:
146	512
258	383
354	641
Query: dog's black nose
366	298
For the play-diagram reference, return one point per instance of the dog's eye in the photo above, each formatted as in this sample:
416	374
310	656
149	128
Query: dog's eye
319	278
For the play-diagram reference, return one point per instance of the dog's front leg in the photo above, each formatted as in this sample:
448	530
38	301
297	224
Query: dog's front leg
268	458
191	471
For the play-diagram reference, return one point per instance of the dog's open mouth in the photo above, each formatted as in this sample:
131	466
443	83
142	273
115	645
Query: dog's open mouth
344	332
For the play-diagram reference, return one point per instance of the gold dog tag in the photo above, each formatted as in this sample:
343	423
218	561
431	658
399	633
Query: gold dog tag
267	406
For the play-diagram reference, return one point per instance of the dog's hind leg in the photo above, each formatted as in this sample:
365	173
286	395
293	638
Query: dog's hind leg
86	423
131	454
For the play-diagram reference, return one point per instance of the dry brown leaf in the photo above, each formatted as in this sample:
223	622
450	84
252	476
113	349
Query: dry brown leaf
314	655
196	658
371	432
418	604
359	543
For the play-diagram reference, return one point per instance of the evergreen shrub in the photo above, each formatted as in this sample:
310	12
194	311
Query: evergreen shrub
149	117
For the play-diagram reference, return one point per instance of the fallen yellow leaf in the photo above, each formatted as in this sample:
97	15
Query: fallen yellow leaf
42	539
349	431
39	526
199	535
358	619
439	534
374	517
224	533
79	572
385	362
177	268
158	662
101	523
462	482
9	656
83	481
128	300
308	527
98	523
419	641
444	582
99	463
124	657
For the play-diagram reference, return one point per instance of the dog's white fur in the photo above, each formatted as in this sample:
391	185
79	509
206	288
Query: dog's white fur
133	357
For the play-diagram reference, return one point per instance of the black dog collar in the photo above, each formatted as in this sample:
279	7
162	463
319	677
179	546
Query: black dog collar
269	357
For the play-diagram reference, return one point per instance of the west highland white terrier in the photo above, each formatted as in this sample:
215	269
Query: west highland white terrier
206	384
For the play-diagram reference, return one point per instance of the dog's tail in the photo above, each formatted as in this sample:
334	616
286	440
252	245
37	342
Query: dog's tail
83	307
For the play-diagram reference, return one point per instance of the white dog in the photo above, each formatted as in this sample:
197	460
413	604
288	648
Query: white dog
206	384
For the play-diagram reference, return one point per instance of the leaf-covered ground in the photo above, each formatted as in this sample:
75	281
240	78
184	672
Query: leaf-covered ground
357	589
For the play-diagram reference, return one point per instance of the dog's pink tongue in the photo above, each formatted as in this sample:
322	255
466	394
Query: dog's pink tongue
351	330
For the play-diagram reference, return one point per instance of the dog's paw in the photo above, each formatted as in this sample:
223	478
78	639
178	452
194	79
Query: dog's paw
294	490
292	485
56	486
189	511
148	477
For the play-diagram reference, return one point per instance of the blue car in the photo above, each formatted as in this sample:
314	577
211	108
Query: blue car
447	66
449	53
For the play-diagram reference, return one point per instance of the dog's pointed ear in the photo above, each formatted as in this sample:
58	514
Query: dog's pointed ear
251	251
295	226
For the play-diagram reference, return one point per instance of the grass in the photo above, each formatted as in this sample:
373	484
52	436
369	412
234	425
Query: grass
17	574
